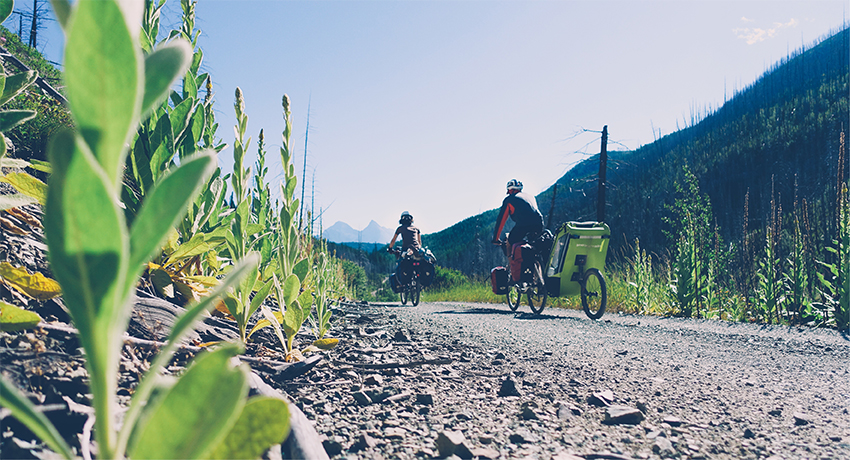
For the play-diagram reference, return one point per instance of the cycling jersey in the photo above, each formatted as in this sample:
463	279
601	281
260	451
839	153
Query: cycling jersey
522	209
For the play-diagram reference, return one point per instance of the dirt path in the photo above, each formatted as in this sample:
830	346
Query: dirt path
524	386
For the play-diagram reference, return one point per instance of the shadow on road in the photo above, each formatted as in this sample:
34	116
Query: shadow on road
499	311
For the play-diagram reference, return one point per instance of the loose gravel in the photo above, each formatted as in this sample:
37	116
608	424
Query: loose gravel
476	380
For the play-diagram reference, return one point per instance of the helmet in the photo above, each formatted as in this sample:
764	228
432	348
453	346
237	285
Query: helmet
406	218
514	186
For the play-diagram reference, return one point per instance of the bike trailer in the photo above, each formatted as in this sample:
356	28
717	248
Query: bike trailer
499	280
578	246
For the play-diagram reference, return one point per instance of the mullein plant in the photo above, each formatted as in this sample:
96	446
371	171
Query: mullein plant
835	284
291	286
241	236
110	86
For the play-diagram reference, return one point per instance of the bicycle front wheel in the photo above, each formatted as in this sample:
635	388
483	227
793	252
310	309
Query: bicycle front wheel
403	296
414	296
538	294
594	294
514	297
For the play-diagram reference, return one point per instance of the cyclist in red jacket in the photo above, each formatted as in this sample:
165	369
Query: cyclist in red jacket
522	209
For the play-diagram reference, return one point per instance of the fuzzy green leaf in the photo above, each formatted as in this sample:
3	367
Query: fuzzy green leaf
87	239
201	407
263	423
162	67
62	11
259	297
6	7
27	185
17	83
103	72
22	409
291	290
15	201
14	318
165	205
11	118
301	269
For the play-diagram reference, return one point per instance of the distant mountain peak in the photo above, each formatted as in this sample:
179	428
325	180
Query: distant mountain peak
341	232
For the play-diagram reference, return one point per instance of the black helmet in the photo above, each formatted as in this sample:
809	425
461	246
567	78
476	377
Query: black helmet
406	218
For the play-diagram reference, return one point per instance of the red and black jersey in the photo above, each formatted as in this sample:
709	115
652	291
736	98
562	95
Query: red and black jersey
522	209
409	237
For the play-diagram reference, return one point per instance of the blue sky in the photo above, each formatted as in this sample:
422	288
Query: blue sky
432	106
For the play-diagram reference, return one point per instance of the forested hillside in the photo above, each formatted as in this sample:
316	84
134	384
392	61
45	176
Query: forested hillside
774	146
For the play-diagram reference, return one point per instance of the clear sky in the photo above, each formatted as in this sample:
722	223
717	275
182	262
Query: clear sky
432	106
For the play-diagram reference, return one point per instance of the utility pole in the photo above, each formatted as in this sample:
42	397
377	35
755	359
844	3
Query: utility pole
603	165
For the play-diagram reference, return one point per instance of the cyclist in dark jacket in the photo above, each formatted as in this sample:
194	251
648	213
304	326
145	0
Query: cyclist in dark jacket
522	209
410	235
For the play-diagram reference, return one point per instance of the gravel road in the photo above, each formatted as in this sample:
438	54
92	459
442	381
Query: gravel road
477	380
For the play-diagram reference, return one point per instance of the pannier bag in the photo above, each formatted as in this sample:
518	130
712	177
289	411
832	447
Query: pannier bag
499	280
404	271
519	253
394	284
426	273
527	263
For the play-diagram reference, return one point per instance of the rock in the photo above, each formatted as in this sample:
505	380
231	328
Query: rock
617	415
508	388
801	419
362	398
402	335
373	380
332	447
528	413
663	448
672	421
485	452
452	443
601	399
566	456
425	399
395	433
363	442
748	434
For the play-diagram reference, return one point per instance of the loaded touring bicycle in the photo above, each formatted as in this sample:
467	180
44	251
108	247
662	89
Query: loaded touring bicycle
570	263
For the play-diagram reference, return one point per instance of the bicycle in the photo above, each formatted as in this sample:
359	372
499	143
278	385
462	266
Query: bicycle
410	275
575	257
533	287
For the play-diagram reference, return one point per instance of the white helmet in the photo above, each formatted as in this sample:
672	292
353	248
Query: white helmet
405	217
514	186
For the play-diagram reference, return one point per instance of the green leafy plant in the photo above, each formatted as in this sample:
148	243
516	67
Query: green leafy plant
835	285
642	280
109	86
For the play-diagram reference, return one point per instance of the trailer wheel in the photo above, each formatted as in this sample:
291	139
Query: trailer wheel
594	294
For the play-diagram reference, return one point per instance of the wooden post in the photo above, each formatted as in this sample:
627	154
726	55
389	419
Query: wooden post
603	165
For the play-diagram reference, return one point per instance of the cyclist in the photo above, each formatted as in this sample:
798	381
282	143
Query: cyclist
410	236
522	209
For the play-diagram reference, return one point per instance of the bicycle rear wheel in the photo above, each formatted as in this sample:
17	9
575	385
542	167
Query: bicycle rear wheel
594	294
